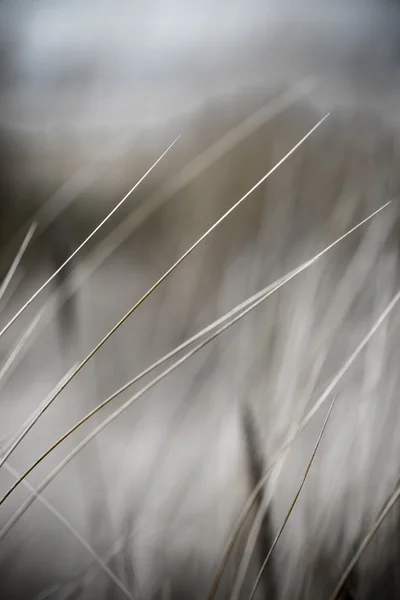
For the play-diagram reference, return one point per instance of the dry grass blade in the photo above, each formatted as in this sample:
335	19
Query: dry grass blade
12	288
208	157
333	318
76	185
98	560
91	571
197	166
85	241
192	170
17	260
114	415
321	400
278	535
16	352
244	308
172	368
24	430
174	266
394	498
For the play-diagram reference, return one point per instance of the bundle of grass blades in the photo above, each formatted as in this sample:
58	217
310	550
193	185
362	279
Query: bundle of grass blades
257	266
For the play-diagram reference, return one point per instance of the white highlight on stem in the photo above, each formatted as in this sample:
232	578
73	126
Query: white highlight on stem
175	365
17	260
75	252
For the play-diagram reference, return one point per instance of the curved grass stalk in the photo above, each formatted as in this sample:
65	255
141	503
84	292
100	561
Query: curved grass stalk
278	535
85	241
394	498
321	400
17	260
27	426
172	268
97	559
192	170
17	352
174	366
